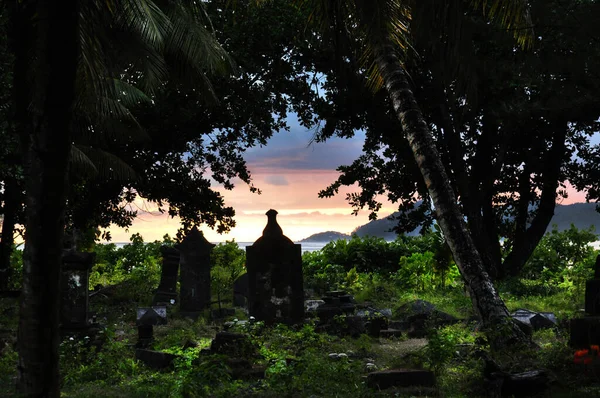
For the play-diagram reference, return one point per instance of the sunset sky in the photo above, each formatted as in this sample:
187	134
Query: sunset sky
290	173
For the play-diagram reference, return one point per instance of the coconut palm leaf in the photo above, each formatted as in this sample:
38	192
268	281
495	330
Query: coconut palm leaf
101	163
81	163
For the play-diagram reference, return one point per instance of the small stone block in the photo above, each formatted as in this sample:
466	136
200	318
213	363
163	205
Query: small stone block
585	332
154	359
401	378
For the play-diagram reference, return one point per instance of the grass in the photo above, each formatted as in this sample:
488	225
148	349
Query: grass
296	359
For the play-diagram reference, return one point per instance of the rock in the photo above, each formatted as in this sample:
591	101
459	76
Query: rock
420	312
416	307
400	378
155	359
370	366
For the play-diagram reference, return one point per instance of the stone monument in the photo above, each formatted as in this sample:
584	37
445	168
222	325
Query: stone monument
586	331
74	288
194	294
146	319
275	286
166	290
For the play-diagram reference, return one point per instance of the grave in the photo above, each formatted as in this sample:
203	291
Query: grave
74	289
275	285
536	320
240	291
194	294
147	318
586	331
167	288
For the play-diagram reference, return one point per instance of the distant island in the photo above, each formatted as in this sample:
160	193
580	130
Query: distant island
582	215
326	237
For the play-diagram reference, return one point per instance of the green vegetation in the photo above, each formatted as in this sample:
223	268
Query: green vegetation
296	360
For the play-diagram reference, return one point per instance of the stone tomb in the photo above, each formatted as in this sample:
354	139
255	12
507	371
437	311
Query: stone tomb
167	287
194	294
74	289
586	331
275	286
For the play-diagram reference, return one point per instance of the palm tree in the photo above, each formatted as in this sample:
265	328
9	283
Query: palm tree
383	27
67	50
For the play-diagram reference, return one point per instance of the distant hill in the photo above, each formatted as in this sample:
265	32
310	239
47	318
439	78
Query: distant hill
381	228
326	237
582	215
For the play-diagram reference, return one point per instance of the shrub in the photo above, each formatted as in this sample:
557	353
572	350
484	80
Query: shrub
228	263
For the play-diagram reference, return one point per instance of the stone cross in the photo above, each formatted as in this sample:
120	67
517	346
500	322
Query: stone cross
275	286
194	294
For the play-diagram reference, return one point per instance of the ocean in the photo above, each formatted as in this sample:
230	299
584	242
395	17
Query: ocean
306	246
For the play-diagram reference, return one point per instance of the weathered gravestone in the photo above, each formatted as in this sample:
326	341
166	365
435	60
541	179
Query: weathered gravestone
146	319
194	293
240	291
275	286
166	290
586	331
74	286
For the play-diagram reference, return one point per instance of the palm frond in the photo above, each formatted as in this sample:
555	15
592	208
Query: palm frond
82	164
108	165
192	38
143	17
513	15
128	94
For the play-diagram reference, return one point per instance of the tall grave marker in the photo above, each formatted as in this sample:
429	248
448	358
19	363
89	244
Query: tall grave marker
275	287
166	290
194	261
74	286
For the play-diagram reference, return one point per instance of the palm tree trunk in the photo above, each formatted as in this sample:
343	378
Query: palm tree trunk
489	306
47	166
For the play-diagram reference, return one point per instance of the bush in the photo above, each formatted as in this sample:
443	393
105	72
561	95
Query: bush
228	263
563	259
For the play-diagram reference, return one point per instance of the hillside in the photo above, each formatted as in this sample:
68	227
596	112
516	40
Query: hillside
381	228
326	237
582	215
